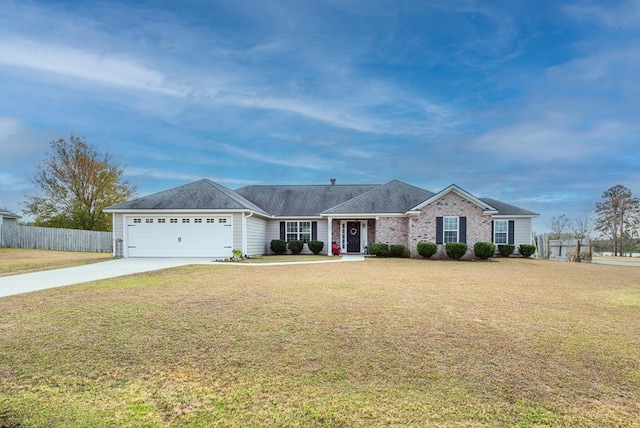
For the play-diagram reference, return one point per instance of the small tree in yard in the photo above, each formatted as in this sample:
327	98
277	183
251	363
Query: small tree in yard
76	183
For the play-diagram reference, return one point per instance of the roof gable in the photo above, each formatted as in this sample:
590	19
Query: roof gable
199	195
394	197
8	214
509	210
301	200
487	208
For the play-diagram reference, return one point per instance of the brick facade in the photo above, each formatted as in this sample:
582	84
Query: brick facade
410	230
423	226
392	230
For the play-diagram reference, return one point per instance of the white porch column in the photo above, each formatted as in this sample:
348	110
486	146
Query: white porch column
329	233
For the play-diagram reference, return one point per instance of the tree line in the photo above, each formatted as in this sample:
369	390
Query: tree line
617	218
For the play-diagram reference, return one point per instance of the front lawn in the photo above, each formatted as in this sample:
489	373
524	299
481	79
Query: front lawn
14	261
385	342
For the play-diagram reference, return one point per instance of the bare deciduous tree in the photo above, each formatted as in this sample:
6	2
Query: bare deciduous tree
582	227
559	225
617	213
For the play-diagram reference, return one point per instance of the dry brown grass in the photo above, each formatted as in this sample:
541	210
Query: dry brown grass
389	342
14	261
618	259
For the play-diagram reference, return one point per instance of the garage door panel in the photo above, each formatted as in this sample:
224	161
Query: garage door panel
176	236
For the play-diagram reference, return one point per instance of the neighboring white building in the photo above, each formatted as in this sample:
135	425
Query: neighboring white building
9	218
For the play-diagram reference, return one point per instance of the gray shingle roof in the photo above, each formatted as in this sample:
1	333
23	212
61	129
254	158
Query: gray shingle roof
506	209
300	200
8	214
393	197
199	195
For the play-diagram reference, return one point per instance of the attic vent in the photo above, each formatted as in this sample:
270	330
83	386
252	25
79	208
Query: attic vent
333	181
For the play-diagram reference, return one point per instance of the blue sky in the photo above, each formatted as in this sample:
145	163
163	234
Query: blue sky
534	103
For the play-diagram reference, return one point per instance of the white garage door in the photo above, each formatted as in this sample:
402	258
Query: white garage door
179	236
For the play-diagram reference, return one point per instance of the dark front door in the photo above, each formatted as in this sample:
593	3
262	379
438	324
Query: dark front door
353	237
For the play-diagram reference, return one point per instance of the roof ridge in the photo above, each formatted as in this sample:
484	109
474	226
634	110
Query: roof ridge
355	197
233	195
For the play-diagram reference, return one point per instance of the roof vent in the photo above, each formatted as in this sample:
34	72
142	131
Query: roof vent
333	181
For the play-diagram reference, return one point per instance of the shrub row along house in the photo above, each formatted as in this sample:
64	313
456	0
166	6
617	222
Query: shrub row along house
206	219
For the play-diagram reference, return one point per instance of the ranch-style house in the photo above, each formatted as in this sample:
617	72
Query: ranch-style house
206	219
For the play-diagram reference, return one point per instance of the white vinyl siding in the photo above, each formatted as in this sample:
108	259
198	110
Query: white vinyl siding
237	231
523	231
256	236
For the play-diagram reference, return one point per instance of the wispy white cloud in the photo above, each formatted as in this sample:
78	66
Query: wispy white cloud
8	126
308	161
619	15
17	141
613	68
12	182
552	139
168	175
104	68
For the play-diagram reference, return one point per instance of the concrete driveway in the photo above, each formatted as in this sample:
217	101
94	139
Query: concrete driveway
25	283
17	284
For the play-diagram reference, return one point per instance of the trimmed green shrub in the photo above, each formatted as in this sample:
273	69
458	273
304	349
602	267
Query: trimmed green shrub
278	246
484	250
315	246
396	250
506	250
379	249
526	250
456	250
427	249
295	246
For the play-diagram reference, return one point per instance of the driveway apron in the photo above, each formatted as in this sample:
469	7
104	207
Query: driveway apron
17	284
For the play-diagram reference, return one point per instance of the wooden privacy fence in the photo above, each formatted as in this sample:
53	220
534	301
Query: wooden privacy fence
574	250
49	238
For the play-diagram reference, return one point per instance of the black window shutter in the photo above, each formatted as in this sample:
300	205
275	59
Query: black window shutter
439	230
314	230
282	230
493	236
512	229
462	224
